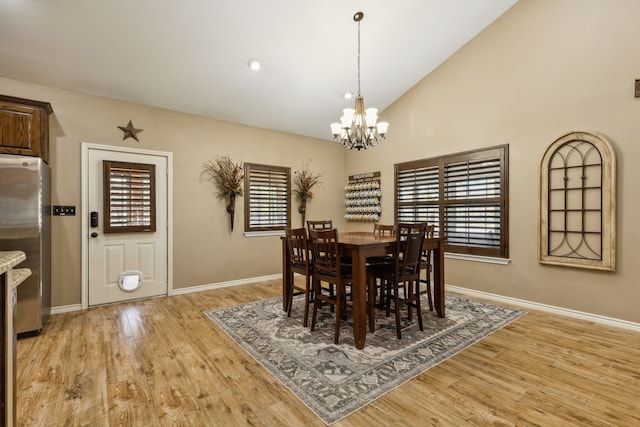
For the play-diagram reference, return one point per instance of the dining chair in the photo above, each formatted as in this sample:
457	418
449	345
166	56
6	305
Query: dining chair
299	260
405	270
328	268
427	265
325	224
384	229
377	264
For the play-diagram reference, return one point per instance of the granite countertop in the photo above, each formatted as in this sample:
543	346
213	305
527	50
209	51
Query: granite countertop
18	275
8	259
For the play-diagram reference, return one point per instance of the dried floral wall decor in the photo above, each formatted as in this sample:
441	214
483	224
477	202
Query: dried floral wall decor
228	178
304	181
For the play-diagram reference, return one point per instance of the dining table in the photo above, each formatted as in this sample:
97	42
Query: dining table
360	245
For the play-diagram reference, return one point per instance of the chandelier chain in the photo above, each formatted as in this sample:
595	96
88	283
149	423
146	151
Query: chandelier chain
359	59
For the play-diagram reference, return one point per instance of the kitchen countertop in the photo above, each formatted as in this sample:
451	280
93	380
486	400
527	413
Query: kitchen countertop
18	275
9	259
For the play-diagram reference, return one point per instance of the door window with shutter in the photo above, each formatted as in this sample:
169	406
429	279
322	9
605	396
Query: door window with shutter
464	195
129	197
267	197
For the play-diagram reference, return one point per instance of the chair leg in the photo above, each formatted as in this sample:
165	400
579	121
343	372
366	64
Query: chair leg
388	297
339	309
429	297
290	300
371	302
307	296
316	301
397	308
408	296
383	290
418	305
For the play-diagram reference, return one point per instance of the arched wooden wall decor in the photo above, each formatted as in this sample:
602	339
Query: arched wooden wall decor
577	203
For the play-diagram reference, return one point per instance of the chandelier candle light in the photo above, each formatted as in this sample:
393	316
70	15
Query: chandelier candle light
358	128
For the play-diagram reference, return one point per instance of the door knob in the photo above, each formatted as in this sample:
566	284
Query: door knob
94	234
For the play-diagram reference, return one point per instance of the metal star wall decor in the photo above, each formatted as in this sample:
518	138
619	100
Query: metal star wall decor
130	131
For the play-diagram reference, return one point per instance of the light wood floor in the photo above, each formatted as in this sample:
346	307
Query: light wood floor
161	362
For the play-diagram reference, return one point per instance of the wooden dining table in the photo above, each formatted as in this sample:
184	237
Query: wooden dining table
359	246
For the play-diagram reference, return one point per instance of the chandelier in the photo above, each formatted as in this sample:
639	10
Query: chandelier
358	128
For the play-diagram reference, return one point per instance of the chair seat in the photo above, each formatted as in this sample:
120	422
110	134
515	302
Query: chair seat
301	266
346	260
345	271
387	259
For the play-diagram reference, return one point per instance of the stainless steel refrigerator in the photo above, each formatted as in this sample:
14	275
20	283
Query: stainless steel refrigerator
25	225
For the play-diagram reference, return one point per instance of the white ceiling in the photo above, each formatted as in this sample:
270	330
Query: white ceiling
191	55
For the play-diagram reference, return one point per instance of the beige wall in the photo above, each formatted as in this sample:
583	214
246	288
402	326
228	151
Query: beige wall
544	68
205	250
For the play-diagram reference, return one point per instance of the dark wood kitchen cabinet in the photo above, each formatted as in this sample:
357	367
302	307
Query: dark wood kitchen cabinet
24	127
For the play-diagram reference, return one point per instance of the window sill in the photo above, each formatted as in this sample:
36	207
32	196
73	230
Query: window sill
264	233
477	258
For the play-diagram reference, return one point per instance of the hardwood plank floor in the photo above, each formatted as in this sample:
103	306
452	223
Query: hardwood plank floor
161	362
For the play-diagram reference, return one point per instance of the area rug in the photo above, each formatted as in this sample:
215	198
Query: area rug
336	380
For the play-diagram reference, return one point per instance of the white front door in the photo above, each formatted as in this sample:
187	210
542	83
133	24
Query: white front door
124	265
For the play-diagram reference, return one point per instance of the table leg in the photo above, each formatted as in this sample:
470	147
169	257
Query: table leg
438	279
359	288
287	276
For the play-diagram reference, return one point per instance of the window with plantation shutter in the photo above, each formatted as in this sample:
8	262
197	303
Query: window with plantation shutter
418	194
129	197
267	197
464	195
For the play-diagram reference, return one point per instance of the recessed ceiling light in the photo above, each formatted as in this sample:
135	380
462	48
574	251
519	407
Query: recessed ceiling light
254	64
348	95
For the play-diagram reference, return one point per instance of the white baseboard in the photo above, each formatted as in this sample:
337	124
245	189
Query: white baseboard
77	307
66	308
208	287
548	308
465	291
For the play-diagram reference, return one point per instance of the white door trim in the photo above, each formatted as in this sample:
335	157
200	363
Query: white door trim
86	146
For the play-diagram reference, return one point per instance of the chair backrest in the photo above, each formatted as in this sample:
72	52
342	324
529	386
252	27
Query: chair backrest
298	247
384	230
431	229
324	250
408	256
325	224
426	253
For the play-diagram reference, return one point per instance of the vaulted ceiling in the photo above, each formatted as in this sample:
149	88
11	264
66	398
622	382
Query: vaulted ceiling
192	55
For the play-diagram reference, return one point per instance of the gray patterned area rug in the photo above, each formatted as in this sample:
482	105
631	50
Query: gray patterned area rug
336	380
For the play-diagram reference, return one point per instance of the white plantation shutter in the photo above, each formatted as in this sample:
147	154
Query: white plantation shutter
267	197
464	195
129	197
